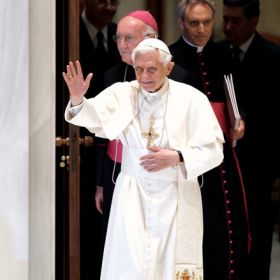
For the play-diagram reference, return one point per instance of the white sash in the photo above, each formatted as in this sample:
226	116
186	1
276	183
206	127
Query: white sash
188	263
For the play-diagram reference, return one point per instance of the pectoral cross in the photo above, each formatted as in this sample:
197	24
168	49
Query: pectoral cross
151	135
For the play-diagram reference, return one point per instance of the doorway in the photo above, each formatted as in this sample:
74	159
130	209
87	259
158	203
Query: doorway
79	241
78	224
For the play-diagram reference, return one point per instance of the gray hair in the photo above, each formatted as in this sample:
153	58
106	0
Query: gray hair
150	32
185	3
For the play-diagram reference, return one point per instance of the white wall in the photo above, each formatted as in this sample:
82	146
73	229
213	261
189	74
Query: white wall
27	139
14	148
41	139
127	6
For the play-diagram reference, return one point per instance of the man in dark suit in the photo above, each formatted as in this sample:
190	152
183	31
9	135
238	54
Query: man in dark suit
131	30
96	18
98	52
256	76
225	241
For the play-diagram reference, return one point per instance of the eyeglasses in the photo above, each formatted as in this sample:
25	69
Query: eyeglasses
107	2
127	38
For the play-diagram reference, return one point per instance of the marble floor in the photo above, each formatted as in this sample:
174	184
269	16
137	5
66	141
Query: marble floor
275	259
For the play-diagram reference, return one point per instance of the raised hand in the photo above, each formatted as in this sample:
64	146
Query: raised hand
75	81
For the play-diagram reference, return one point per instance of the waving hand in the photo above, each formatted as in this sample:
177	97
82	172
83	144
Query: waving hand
75	81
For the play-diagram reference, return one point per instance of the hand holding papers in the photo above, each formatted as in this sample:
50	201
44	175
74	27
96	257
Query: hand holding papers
232	107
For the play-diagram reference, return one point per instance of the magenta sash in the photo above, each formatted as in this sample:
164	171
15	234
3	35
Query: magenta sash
114	150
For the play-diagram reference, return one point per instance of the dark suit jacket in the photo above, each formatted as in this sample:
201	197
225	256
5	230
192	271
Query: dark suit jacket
257	89
91	63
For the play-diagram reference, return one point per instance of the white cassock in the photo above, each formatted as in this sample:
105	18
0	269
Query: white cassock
155	227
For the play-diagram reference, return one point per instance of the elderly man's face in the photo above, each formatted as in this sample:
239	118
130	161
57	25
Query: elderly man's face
130	33
150	72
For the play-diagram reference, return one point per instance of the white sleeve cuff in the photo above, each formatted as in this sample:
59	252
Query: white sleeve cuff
74	110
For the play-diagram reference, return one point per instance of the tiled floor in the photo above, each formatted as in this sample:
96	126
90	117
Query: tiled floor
275	257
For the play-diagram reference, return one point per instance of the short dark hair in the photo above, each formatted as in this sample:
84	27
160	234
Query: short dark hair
251	7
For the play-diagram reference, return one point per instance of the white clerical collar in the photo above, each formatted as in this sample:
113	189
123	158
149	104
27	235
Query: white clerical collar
198	48
159	93
92	30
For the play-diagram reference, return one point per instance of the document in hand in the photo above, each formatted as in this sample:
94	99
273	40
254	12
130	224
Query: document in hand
232	107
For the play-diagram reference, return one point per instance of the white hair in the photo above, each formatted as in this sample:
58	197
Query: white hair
150	45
